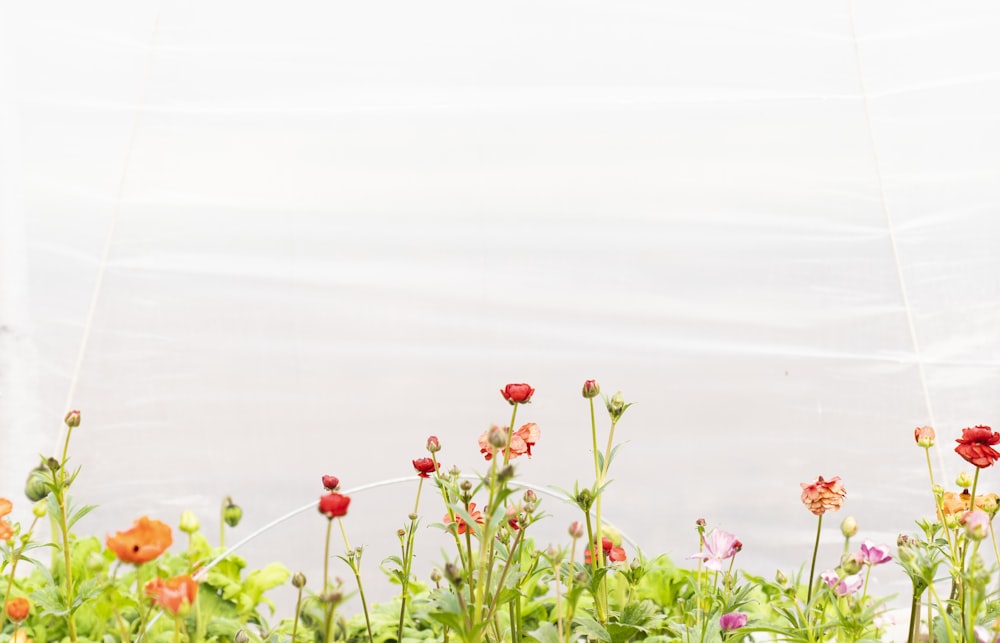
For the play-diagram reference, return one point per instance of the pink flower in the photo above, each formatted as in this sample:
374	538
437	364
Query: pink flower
874	554
520	442
732	621
822	495
924	435
718	546
517	393
848	585
977	524
829	577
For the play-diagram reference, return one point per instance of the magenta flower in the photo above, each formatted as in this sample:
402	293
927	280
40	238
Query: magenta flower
717	547
732	621
873	554
848	585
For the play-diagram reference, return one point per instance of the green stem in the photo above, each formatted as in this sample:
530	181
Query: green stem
326	554
812	567
944	614
914	611
298	607
408	560
63	499
510	436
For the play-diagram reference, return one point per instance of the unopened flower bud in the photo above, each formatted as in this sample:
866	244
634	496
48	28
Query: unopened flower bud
332	597
575	529
241	636
585	499
37	485
72	419
465	486
591	389
924	435
506	473
616	406
977	524
849	527
990	504
298	580
189	522
937	490
52	464
331	483
454	471
433	445
851	563
453	573
436	575
903	540
231	512
700	523
964	480
497	437
780	578
530	497
40	508
400	533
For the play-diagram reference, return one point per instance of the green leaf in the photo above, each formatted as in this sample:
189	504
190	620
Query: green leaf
546	633
80	513
591	628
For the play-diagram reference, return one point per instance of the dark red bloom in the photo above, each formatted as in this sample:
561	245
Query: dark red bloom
517	393
976	446
425	467
334	505
330	483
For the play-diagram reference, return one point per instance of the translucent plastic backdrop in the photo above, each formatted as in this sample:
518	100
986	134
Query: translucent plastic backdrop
255	245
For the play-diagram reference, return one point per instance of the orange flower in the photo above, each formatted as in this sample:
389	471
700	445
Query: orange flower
823	495
955	503
146	540
476	515
173	594
521	441
18	608
6	531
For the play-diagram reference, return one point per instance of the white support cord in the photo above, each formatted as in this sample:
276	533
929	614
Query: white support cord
203	572
904	293
108	242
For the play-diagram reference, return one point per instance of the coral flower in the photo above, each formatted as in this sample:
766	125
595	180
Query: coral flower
716	547
460	522
976	446
6	531
517	393
18	608
425	467
334	505
924	435
174	593
823	495
520	442
146	540
732	621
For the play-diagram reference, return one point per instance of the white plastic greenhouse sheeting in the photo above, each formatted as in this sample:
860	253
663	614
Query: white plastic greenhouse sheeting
256	244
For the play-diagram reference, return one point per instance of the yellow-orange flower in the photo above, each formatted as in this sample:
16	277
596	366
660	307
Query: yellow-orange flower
21	636
954	503
174	593
146	540
18	608
6	531
823	495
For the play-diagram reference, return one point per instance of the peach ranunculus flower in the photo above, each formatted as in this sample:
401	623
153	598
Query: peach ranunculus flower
521	441
955	503
174	593
146	540
823	495
6	531
21	636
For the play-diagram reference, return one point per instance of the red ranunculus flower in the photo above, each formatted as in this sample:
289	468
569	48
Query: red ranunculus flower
976	446
334	505
146	540
174	593
517	393
612	553
18	608
425	467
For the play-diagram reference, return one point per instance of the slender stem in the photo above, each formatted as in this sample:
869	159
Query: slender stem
503	574
298	607
944	615
408	560
812	567
510	436
63	499
593	436
326	554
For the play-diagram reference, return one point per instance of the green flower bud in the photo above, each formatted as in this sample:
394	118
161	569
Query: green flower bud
72	419
591	389
964	480
40	509
231	512
299	580
851	563
849	527
37	485
189	522
616	406
241	636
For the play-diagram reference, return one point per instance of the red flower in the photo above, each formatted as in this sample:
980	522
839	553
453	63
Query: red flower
460	522
330	483
612	553
334	505
18	608
517	393
975	446
425	467
146	540
173	594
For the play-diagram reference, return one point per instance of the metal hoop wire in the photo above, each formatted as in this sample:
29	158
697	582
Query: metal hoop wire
203	572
